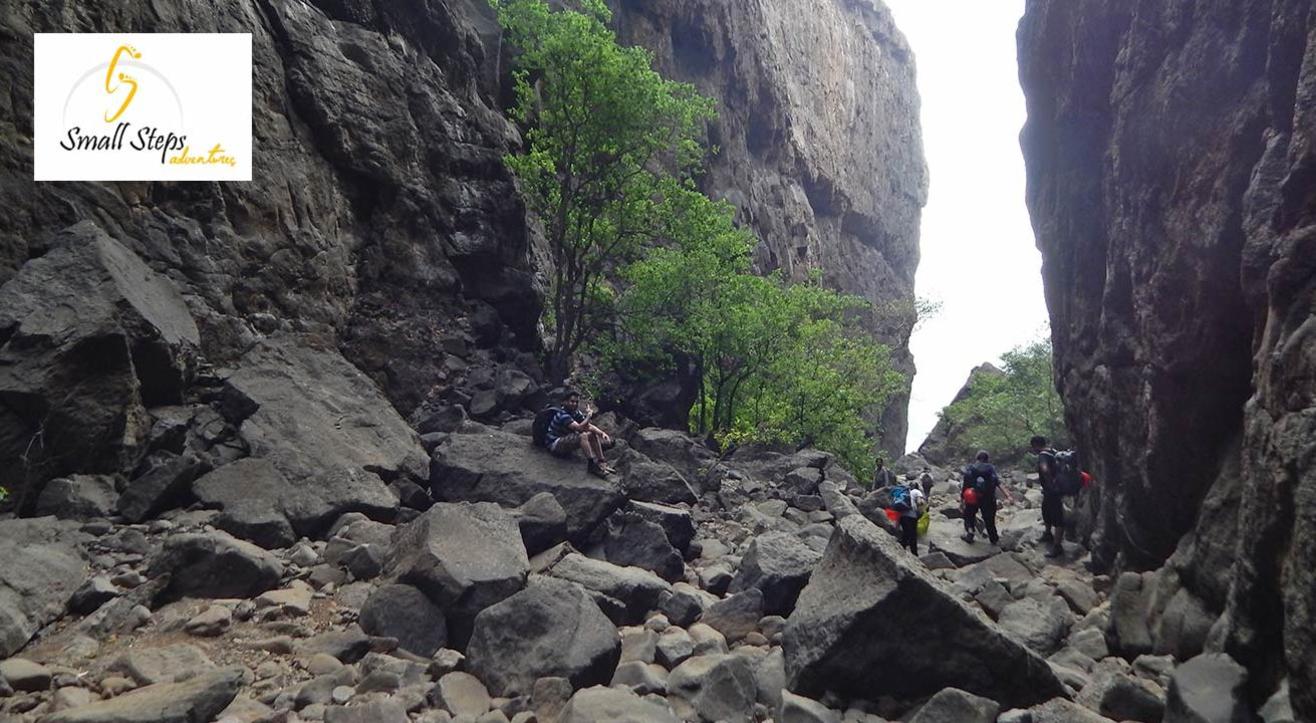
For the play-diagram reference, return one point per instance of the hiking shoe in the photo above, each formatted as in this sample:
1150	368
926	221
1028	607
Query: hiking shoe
1055	551
596	470
1046	537
967	538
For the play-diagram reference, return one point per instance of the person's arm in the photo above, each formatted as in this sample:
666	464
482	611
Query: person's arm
581	424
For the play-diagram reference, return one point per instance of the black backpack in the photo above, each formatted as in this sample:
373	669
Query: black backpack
1069	478
979	476
539	430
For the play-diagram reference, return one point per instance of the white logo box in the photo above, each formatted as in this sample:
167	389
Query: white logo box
142	107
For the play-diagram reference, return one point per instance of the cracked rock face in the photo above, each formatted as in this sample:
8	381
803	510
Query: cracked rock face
820	146
1171	178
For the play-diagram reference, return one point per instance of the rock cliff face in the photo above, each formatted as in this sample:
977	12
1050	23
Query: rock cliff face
820	144
1172	183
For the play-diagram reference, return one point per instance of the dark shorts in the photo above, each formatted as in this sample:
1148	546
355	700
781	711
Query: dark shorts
1053	510
566	445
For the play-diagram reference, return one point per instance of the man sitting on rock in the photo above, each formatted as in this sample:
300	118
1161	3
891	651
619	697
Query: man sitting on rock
571	428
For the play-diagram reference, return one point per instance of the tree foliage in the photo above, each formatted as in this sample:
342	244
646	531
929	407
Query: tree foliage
604	131
1001	413
773	361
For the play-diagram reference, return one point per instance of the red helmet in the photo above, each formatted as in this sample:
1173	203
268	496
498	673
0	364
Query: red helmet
970	496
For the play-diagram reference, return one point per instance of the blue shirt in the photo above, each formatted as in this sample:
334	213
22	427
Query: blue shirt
561	425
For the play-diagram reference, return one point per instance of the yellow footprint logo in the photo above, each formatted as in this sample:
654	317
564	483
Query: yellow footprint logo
113	83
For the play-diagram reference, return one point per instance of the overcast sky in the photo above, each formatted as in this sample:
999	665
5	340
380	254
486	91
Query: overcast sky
978	257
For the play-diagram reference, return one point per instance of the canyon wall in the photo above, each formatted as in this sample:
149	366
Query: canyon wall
819	142
1172	185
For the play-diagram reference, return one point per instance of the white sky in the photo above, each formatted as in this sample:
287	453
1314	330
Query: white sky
978	257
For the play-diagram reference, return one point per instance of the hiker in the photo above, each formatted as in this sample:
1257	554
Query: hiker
979	495
926	481
883	477
569	428
909	504
1059	475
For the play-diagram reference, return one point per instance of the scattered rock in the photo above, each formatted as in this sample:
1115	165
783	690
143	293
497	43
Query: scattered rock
736	616
94	593
215	565
376	711
550	629
173	663
80	497
952	705
633	541
1207	689
719	687
25	675
856	613
403	612
199	698
614	705
798	709
461	694
635	592
778	564
1039	625
213	621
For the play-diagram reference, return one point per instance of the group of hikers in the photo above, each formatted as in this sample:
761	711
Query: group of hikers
1058	476
565	428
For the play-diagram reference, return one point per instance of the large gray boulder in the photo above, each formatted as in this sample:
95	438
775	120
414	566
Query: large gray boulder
649	480
634	541
627	594
856	614
718	687
779	565
325	427
404	613
464	557
79	497
490	465
91	337
41	572
952	705
215	565
197	699
1039	624
550	629
1208	689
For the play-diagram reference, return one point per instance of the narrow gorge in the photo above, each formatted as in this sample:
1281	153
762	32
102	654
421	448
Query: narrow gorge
268	448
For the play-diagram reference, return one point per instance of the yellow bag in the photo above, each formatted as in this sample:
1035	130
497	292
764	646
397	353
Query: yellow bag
924	521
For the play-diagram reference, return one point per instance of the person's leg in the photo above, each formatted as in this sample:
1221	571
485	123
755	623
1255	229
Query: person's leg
911	533
989	521
970	513
588	450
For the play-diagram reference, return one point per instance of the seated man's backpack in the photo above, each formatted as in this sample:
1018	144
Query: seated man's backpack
539	430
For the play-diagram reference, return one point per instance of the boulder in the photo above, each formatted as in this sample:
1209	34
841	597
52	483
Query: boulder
79	497
215	565
24	675
550	629
490	465
374	711
1208	689
778	564
718	687
461	694
737	615
636	592
614	705
464	557
164	486
167	664
41	572
633	541
403	612
675	521
91	337
691	459
648	480
798	709
325	426
856	613
542	521
199	698
952	705
1129	634
1041	625
1118	696
251	495
1061	710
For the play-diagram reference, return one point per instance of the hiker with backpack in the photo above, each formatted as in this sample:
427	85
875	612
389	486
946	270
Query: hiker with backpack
1059	476
979	495
883	477
908	500
564	429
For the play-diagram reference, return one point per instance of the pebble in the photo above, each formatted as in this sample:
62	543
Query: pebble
657	623
212	621
116	685
343	693
322	663
71	697
279	645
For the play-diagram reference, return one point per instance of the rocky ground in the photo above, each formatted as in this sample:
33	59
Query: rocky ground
762	586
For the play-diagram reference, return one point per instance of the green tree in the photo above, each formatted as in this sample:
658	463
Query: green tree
772	361
1001	413
603	132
